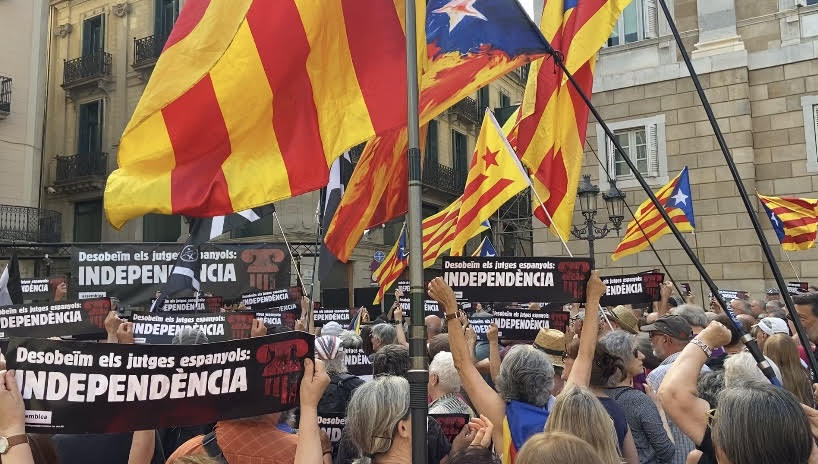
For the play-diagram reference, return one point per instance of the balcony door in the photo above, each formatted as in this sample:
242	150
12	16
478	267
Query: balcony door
166	13
93	35
89	139
88	221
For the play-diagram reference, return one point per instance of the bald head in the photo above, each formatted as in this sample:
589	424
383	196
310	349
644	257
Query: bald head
434	326
652	317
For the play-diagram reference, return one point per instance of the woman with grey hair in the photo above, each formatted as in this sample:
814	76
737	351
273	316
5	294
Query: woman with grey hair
652	442
383	334
378	420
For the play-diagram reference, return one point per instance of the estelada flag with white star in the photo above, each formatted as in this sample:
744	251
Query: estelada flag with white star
495	176
795	220
678	203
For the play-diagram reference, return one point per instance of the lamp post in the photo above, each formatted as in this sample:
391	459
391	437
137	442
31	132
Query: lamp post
614	203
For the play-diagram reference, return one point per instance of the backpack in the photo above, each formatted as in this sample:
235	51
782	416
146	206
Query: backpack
338	392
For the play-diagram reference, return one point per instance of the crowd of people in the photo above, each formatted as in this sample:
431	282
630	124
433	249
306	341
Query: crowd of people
670	383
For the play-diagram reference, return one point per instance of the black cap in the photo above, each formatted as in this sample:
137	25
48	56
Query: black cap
674	326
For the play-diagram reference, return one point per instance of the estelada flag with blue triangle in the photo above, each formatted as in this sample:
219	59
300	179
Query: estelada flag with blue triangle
678	203
485	250
795	220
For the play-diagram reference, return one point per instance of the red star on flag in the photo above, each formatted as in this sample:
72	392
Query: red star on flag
490	157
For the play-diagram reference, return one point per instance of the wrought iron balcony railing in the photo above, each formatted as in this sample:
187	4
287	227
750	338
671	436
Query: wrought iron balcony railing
5	95
25	224
443	178
147	50
87	68
81	166
468	110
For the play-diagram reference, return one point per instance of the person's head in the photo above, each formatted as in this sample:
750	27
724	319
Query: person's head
607	370
474	454
652	317
694	316
623	345
711	316
552	343
332	328
741	368
668	335
773	294
735	345
526	375
391	360
378	419
756	307
738	438
775	308
443	376
383	334
434	326
709	385
328	349
557	448
807	307
769	326
740	306
578	412
624	319
644	346
439	343
783	351
189	336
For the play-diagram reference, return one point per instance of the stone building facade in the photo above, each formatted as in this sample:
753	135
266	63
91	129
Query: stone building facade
758	61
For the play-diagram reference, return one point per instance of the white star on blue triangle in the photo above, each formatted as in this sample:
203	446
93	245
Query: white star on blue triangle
776	223
680	197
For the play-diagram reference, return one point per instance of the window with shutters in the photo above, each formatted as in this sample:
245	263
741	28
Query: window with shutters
482	101
643	141
431	143
460	161
637	22
505	100
809	105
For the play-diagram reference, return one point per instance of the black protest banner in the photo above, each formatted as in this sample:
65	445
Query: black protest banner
332	425
631	289
451	424
80	387
358	363
519	324
86	317
40	289
283	299
733	295
430	307
209	304
160	328
480	325
558	280
322	315
797	288
134	272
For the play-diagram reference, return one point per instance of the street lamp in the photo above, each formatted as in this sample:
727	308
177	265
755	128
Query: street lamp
614	203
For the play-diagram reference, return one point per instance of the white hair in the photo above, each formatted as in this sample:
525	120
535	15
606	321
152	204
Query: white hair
443	366
741	368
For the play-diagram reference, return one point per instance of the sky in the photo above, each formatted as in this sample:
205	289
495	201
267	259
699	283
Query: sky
529	7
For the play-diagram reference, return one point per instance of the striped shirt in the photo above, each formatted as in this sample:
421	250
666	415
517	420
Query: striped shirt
450	403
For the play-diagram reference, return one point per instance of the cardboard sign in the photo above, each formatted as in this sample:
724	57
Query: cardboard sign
733	295
40	289
631	289
86	317
80	387
283	299
160	328
451	424
207	304
556	280
323	315
480	325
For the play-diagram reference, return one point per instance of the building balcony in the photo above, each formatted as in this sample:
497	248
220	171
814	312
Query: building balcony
87	69
5	96
443	178
467	111
147	50
84	172
25	224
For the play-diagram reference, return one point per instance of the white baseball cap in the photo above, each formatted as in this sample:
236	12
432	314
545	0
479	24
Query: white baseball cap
773	325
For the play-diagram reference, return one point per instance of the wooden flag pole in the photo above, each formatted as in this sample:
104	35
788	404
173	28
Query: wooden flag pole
749	341
418	374
765	246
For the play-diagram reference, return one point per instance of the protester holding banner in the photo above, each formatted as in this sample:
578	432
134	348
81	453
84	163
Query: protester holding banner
312	388
14	447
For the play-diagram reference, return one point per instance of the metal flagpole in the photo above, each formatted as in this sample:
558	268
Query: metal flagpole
418	374
318	234
297	270
749	341
779	279
698	253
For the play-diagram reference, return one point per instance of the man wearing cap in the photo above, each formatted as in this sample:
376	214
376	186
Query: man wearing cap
767	327
773	294
552	343
668	336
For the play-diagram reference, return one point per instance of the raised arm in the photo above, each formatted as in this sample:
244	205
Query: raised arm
494	351
397	314
664	297
678	390
12	420
485	399
581	372
313	384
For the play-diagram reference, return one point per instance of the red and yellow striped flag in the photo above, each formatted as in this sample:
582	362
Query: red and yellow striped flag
676	198
494	178
392	266
795	220
252	100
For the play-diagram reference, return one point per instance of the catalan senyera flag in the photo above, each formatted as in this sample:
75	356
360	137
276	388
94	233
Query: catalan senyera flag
495	176
678	203
392	266
795	220
469	44
252	100
550	131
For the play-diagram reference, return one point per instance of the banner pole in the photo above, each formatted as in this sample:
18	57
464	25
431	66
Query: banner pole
748	339
316	251
765	246
418	374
